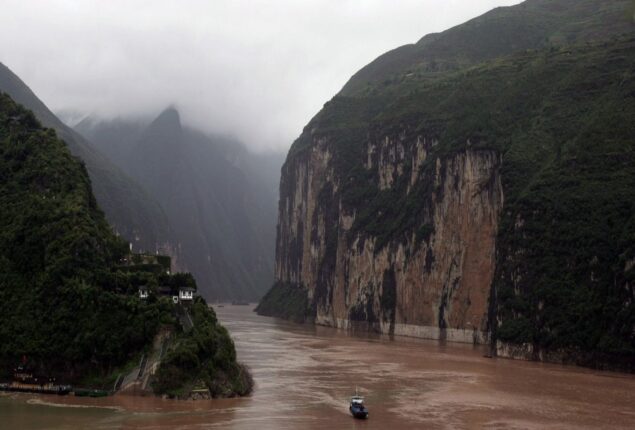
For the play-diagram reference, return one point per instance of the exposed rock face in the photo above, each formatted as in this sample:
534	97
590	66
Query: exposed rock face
391	215
433	287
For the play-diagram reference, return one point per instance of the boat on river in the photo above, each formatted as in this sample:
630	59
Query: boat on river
357	408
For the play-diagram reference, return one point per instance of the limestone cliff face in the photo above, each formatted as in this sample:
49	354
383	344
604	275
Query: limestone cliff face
391	215
433	280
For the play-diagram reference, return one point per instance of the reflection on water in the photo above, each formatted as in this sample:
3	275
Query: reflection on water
304	376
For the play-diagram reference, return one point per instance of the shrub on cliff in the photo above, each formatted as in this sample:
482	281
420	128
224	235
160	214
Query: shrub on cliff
285	300
203	356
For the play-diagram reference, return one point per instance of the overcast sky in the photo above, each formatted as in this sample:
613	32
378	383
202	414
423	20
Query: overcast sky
256	69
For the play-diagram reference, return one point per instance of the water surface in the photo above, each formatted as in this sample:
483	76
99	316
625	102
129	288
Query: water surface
304	376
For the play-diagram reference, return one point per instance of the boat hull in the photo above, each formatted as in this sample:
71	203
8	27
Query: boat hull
359	413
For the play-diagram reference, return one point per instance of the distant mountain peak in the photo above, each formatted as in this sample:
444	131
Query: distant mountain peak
169	117
165	129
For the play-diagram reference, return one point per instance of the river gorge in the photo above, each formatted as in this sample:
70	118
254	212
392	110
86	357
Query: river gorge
304	375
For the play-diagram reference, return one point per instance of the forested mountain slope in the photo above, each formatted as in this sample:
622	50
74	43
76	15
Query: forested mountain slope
533	24
55	252
128	208
69	308
488	201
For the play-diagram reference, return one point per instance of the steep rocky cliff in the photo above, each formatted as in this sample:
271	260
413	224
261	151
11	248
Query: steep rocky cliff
491	201
433	283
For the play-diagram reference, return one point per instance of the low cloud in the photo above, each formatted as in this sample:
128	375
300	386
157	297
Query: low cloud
256	69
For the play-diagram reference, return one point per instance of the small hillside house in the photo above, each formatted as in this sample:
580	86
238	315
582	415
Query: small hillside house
143	292
186	293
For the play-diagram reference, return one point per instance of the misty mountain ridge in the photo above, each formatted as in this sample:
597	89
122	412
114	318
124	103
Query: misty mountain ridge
219	197
128	208
533	24
141	169
114	136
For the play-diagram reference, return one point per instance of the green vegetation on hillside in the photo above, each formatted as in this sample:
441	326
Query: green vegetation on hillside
561	119
128	208
203	356
285	301
68	306
55	247
533	24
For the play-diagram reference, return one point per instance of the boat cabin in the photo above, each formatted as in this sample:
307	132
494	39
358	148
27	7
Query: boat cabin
357	400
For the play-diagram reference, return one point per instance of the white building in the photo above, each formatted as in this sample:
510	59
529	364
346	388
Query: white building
186	293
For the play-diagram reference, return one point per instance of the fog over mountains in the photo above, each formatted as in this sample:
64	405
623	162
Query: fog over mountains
220	199
257	70
203	199
130	210
182	112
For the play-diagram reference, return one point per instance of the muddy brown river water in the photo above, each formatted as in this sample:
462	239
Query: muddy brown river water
304	376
